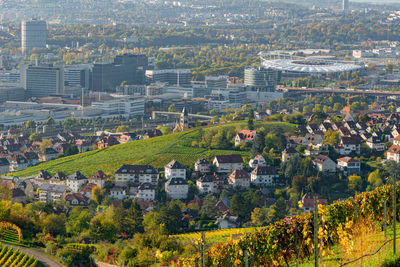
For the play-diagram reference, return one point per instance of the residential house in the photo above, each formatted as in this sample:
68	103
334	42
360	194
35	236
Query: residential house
127	137
228	163
288	153
227	221
239	179
59	178
107	141
99	178
313	139
375	143
152	133
324	164
177	188
18	195
117	193
312	128
263	176
77	199
202	165
337	125
349	145
174	170
76	180
206	184
43	177
83	145
136	175
393	153
48	154
61	147
325	126
146	192
52	192
308	202
4	166
245	136
87	189
222	205
18	162
349	165
32	157
257	161
343	131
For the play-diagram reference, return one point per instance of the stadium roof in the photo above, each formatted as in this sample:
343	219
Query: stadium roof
312	66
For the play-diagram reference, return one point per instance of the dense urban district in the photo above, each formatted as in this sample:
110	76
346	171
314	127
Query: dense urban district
196	133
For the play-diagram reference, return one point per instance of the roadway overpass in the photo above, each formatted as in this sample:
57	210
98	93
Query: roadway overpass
154	115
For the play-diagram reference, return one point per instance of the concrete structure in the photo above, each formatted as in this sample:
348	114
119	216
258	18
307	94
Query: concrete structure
261	79
4	166
42	81
11	94
123	106
128	67
33	35
345	5
77	76
218	82
180	77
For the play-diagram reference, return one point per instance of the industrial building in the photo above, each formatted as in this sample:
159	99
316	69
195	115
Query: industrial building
42	81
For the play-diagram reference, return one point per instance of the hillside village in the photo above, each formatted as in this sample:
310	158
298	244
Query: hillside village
341	148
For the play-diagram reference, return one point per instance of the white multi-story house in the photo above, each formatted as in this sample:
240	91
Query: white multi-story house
18	162
264	176
136	175
257	161
146	192
349	165
375	143
52	192
76	180
349	145
99	178
117	193
228	163
239	179
206	184
174	170
245	136
202	165
177	188
393	153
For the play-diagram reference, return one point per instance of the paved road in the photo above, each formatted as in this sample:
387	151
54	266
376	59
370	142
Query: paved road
39	255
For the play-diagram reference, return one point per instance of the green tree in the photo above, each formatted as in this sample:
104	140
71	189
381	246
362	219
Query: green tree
355	182
331	138
250	124
71	150
30	124
375	179
54	224
34	137
122	129
172	108
50	121
209	209
46	143
262	216
78	221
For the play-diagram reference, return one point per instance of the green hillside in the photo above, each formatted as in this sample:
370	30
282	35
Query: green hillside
156	151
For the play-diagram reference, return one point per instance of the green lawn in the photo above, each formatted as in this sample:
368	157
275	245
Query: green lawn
156	151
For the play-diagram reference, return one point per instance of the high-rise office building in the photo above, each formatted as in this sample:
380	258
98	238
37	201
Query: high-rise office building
33	35
42	81
180	77
128	67
77	76
345	5
262	79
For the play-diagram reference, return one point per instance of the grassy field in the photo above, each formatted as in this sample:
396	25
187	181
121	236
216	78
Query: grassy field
156	151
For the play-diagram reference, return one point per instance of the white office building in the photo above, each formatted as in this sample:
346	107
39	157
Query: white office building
33	35
123	106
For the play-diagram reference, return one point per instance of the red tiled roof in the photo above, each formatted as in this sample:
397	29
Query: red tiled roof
239	174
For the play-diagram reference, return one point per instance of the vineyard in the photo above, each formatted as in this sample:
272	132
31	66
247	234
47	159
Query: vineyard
15	258
215	236
10	233
285	241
